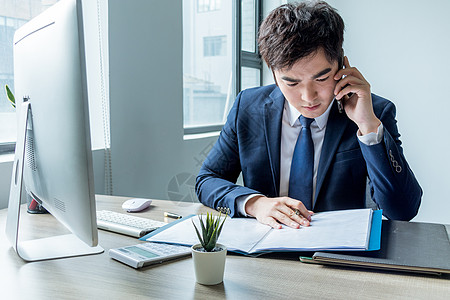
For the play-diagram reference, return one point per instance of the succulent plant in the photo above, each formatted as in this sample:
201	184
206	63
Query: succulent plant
211	229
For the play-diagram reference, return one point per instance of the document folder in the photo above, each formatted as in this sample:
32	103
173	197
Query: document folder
405	246
344	230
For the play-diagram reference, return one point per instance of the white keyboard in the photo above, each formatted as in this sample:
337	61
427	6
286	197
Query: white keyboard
126	224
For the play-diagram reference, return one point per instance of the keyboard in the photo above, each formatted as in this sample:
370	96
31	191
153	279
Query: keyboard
126	224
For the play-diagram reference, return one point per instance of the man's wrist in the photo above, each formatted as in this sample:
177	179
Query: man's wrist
241	203
369	127
250	204
371	138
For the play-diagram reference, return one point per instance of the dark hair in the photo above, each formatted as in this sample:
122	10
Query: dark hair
294	31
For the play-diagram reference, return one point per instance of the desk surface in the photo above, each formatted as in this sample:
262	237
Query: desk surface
273	276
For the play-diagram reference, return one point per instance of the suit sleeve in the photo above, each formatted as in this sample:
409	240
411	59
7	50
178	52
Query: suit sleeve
393	185
216	182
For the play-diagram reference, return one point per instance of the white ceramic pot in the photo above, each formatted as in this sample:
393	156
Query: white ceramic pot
209	266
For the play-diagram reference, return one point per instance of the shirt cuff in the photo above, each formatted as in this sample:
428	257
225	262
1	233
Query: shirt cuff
371	138
241	201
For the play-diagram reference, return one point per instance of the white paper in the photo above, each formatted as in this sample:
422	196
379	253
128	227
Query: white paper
344	229
334	230
239	234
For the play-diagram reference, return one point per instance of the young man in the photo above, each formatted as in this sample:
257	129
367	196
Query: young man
291	169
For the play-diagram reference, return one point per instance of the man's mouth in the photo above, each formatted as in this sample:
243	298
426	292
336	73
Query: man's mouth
311	108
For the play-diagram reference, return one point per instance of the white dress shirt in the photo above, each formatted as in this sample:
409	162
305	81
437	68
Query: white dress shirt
290	129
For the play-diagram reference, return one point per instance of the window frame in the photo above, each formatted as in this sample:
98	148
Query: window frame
246	58
240	58
7	148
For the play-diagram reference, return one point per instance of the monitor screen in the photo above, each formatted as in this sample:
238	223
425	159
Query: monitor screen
50	79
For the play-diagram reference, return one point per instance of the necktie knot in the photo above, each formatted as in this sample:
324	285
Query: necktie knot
306	122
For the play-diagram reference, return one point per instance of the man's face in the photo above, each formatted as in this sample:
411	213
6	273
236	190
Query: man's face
309	84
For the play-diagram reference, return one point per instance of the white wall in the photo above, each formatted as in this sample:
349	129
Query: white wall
6	163
402	48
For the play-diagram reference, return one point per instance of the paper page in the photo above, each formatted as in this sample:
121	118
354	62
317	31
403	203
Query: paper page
238	234
333	230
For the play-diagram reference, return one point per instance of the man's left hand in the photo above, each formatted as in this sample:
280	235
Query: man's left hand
358	106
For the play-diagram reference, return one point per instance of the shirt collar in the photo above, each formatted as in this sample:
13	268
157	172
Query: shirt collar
293	114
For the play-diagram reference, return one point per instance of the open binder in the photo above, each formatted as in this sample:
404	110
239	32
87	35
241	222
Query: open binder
344	230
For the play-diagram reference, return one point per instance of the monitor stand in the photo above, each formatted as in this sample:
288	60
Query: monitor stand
62	246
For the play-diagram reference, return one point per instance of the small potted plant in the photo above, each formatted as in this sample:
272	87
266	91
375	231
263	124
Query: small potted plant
208	255
10	96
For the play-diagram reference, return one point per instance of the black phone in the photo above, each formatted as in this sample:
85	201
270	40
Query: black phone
341	66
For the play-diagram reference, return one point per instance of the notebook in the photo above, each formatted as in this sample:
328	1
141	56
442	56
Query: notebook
349	230
405	246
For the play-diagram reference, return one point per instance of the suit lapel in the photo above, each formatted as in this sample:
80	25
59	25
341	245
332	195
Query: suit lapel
273	112
335	129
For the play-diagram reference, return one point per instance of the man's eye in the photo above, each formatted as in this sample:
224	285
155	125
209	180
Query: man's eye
322	79
292	84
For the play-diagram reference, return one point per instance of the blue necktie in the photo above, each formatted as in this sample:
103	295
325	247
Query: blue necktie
302	167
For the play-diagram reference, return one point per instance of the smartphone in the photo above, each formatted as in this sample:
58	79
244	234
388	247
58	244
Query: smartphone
340	105
339	102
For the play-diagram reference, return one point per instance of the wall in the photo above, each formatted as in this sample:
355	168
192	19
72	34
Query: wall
6	163
402	48
149	156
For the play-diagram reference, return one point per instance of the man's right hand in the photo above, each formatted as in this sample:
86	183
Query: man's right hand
277	211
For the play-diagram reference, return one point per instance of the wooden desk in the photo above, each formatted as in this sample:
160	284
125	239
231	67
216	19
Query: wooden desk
270	277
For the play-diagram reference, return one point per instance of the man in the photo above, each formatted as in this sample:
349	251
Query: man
290	169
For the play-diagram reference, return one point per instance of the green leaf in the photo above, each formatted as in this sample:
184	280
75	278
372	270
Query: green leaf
10	96
205	238
198	234
211	228
211	244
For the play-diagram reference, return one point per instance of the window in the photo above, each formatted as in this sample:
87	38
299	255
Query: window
250	67
208	5
13	14
214	46
248	35
220	57
208	83
250	77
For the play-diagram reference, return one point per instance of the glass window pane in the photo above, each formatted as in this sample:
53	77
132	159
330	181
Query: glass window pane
13	14
214	46
248	36
208	5
208	86
250	77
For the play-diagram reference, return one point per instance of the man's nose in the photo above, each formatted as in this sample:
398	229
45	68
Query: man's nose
309	93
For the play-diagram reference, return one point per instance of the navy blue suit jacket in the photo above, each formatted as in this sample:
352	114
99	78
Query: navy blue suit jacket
250	143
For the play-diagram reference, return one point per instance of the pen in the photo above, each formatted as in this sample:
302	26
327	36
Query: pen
172	215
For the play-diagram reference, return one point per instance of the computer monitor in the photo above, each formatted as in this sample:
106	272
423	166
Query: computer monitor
53	149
